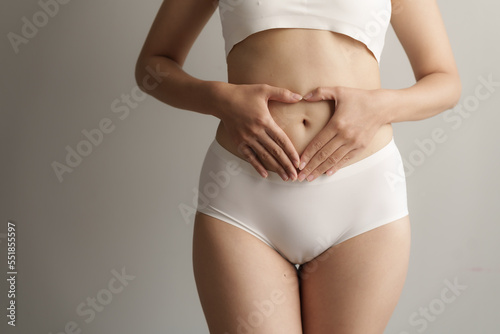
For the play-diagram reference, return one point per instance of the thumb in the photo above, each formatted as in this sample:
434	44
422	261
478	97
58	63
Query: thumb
283	95
320	94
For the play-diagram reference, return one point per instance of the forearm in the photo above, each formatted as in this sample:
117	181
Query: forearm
431	95
165	80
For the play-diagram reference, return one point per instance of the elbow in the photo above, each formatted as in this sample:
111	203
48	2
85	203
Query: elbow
150	73
451	89
140	74
146	77
455	90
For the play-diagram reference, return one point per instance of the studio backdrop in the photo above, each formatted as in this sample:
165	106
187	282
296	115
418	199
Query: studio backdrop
98	179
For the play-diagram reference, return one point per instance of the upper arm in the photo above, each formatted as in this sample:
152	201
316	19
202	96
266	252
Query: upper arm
420	29
175	28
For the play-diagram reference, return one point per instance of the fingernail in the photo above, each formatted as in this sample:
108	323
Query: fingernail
297	96
296	163
264	174
301	177
292	177
284	177
310	178
307	96
329	173
302	165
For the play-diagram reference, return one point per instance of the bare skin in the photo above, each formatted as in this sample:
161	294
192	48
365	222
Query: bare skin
326	59
236	275
353	287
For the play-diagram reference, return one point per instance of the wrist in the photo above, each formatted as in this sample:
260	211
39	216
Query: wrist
386	104
216	95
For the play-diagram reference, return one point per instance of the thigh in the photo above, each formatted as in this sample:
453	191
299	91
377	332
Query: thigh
244	285
354	286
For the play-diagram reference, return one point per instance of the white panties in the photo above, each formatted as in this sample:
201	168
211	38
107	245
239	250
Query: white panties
301	220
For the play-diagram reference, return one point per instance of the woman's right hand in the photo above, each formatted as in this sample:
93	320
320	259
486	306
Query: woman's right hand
244	111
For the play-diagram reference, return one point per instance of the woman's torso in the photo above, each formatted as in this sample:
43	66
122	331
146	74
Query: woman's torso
302	60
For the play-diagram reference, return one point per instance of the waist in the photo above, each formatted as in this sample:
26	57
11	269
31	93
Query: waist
302	60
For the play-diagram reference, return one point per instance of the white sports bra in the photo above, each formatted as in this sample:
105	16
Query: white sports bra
364	20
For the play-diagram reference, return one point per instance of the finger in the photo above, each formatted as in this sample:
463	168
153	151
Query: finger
321	93
282	94
276	133
324	154
249	155
316	144
283	162
342	162
333	163
266	157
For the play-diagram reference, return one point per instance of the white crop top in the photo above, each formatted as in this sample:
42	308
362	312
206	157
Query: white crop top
364	20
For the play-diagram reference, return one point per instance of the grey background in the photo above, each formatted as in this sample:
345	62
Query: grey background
119	208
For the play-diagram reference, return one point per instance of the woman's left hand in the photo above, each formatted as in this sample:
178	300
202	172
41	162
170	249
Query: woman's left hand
357	117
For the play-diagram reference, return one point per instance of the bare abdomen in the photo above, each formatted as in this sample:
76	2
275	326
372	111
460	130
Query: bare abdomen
302	60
